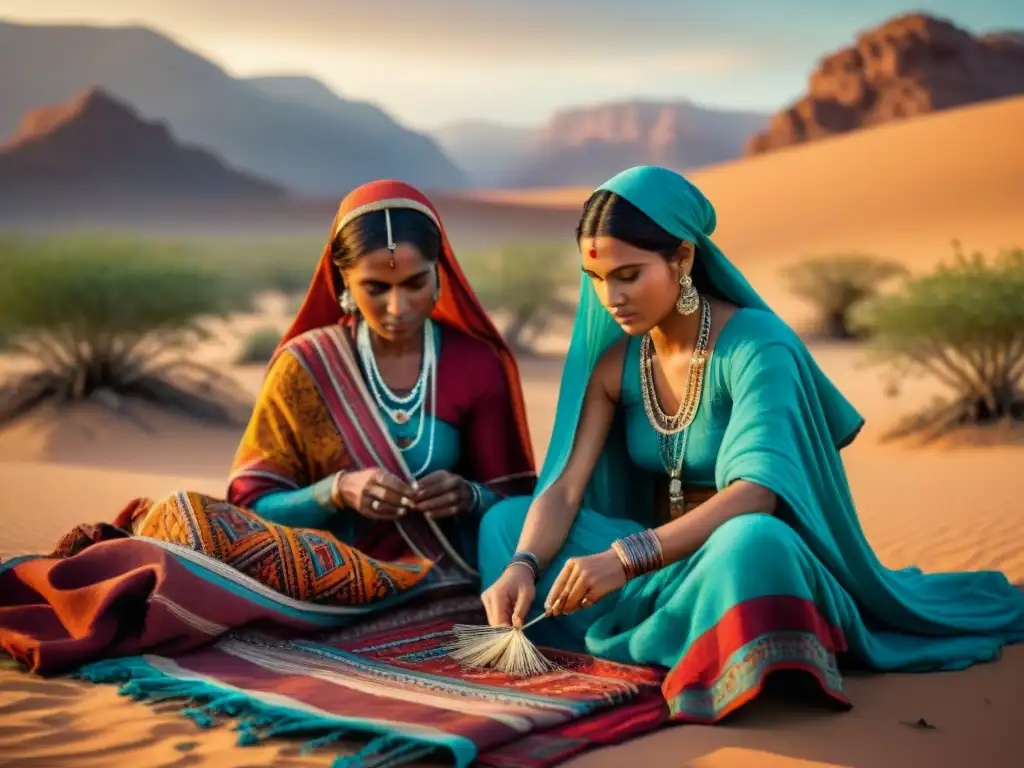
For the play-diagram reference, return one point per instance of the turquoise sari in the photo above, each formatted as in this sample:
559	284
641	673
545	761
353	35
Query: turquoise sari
800	590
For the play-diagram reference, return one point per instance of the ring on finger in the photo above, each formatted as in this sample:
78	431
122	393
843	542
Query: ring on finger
584	601
375	505
570	588
561	600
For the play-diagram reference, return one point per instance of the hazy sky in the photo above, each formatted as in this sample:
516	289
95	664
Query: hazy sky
431	62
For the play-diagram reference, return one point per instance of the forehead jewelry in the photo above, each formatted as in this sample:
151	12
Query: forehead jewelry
391	240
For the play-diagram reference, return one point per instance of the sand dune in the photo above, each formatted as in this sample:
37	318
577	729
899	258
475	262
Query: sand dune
902	191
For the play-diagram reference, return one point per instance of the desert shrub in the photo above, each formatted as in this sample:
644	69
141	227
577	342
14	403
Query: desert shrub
835	285
962	325
284	266
289	278
259	346
113	319
524	281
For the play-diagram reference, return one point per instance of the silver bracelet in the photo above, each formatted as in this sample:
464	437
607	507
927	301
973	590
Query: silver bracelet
478	498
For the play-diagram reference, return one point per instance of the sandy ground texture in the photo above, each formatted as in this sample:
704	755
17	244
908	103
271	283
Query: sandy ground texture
901	191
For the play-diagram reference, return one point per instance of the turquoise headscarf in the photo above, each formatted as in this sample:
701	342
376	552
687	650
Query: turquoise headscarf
682	210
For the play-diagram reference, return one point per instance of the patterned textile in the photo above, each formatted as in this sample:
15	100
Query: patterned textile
314	396
400	686
303	564
314	418
728	665
291	439
332	673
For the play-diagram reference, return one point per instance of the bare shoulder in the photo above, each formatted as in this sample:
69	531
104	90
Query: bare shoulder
608	371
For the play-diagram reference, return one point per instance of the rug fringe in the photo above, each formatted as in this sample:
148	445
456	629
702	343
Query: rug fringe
257	720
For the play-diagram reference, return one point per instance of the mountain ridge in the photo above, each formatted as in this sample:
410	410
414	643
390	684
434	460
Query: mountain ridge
95	149
307	149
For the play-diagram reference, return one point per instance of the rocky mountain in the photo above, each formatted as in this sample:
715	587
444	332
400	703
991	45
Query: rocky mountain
268	125
489	153
97	150
584	146
909	66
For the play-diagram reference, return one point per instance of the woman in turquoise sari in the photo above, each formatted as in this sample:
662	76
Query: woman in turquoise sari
693	511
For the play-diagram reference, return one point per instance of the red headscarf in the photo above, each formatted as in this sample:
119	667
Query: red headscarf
457	304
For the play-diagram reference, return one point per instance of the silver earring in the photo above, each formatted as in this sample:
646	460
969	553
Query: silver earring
347	303
689	299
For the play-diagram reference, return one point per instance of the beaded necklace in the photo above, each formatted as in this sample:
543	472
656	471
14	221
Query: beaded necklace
673	430
400	409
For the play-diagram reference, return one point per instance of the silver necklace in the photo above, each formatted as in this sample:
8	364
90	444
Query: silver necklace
673	430
409	403
416	399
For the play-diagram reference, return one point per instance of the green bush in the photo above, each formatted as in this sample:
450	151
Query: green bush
524	281
259	346
835	285
108	317
962	325
284	265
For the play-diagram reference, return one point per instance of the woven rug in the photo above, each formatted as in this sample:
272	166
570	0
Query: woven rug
399	688
171	624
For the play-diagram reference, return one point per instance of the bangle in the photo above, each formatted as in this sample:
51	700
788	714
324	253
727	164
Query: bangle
528	559
477	500
639	553
323	494
336	499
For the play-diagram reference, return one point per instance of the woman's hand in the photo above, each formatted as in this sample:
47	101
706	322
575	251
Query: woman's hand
508	600
443	494
585	580
375	493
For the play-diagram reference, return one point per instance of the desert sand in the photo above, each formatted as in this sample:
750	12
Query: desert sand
902	191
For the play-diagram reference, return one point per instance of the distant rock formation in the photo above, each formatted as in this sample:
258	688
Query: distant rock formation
96	148
909	66
586	145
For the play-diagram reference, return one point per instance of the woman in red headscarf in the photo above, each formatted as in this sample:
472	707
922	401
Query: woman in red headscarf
392	406
391	418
